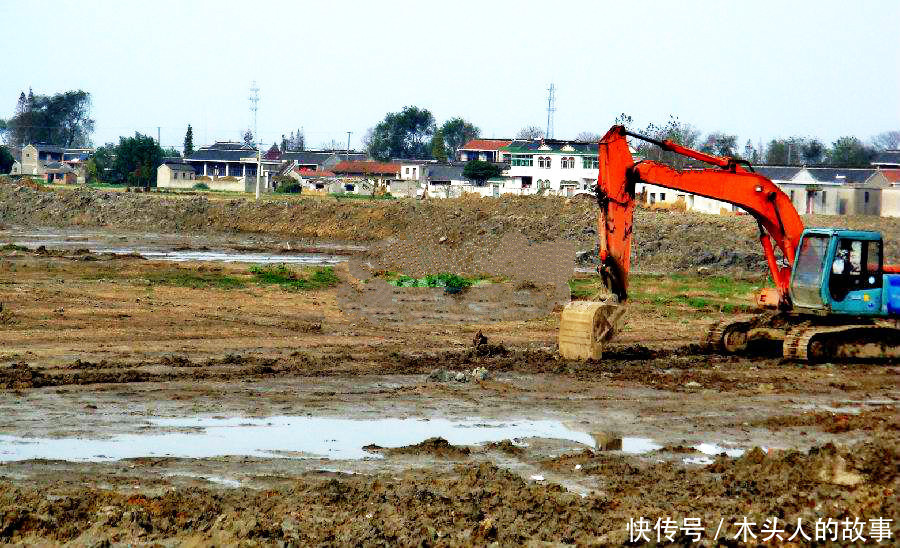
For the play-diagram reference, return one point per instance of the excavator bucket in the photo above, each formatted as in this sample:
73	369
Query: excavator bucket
585	325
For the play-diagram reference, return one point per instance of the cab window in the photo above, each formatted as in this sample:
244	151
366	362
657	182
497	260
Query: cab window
856	266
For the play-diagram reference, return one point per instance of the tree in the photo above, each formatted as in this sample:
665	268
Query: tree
850	152
299	141
777	152
812	152
99	168
530	132
189	141
673	130
404	134
62	119
171	152
438	147
284	143
248	138
480	171
887	140
720	144
588	137
136	160
457	132
6	160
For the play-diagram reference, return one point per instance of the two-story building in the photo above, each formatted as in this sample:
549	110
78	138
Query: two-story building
550	166
52	163
485	150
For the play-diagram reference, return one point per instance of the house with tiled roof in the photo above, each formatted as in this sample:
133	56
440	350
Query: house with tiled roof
485	150
228	165
887	159
366	177
51	163
548	166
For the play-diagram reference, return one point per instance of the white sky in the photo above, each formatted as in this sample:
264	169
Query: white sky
759	69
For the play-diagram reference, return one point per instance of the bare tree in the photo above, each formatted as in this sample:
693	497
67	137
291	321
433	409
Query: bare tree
530	132
887	140
588	137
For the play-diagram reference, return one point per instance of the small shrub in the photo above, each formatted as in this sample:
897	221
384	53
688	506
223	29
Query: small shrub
293	187
13	247
201	186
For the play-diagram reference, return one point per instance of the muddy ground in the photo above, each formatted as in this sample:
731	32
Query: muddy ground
96	346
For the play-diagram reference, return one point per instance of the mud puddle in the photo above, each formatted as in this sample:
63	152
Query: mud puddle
183	248
281	437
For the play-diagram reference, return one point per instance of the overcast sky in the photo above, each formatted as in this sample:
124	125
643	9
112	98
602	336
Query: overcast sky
759	69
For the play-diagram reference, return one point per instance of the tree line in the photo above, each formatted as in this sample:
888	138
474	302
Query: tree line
846	151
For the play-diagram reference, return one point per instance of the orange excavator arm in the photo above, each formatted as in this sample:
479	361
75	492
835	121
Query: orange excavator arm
732	181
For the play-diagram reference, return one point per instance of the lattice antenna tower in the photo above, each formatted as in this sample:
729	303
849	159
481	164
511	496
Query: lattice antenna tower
254	107
551	108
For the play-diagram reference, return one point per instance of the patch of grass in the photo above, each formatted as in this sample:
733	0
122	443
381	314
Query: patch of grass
13	247
195	280
286	277
443	279
700	293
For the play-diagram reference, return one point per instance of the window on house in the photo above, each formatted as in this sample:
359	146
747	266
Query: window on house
792	195
823	197
662	196
522	160
866	198
590	162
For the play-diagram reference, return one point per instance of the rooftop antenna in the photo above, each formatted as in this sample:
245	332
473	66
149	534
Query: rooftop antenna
551	108
254	106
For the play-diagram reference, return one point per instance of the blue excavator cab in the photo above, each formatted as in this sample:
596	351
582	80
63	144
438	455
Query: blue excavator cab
841	271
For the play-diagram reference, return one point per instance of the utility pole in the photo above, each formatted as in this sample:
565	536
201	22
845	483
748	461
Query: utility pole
348	145
158	142
258	167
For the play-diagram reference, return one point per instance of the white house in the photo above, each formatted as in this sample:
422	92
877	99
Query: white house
550	167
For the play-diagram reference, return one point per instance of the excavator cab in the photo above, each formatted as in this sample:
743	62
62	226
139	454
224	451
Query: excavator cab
841	271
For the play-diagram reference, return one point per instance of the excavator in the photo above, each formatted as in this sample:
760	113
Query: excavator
833	296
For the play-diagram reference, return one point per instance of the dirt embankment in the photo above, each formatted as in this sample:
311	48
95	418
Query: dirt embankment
662	240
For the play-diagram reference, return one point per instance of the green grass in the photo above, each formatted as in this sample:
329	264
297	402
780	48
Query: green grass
286	277
443	279
699	293
13	247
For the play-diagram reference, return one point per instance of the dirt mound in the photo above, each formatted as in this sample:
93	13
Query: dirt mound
435	447
21	375
663	240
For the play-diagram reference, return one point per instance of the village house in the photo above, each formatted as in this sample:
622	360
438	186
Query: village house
318	160
52	163
227	165
366	177
485	150
549	166
175	174
889	182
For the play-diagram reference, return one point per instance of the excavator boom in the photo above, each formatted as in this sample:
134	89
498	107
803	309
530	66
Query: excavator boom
840	310
731	182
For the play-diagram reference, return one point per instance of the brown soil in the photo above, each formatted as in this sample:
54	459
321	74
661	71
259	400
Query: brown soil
96	348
